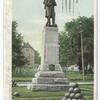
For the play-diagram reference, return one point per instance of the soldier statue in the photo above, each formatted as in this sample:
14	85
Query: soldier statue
50	12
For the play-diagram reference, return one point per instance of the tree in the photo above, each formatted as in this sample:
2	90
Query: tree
18	59
72	32
37	57
65	49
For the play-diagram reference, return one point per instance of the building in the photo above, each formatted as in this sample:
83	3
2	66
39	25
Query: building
29	53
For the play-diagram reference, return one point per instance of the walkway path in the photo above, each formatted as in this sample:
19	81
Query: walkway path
26	83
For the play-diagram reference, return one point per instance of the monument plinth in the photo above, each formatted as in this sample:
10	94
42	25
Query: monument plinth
50	49
50	75
50	46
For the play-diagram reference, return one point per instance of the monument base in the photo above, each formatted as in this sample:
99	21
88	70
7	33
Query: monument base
49	81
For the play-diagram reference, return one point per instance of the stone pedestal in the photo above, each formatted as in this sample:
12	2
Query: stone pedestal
50	75
50	47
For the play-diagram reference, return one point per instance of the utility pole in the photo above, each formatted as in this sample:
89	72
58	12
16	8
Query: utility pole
82	52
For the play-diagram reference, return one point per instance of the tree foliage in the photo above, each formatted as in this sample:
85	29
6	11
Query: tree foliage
18	59
37	57
65	49
70	42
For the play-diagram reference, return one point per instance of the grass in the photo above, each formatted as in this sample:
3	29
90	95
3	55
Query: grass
41	99
76	76
86	86
86	98
46	95
25	93
22	79
72	76
28	71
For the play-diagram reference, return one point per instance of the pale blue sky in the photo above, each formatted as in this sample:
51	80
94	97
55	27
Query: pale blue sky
29	15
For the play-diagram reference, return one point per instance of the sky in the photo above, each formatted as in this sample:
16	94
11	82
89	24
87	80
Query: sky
30	16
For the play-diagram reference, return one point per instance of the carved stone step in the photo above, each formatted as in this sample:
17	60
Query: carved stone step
48	87
43	80
53	74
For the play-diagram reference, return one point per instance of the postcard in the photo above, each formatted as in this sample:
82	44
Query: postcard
50	50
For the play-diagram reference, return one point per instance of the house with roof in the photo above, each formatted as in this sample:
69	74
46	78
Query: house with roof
29	53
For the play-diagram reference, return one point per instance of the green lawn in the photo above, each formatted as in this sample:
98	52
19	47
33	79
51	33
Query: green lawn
86	98
41	99
46	95
72	76
22	79
76	76
86	86
24	92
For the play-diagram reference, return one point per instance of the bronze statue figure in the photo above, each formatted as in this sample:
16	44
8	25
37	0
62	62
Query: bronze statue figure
50	12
